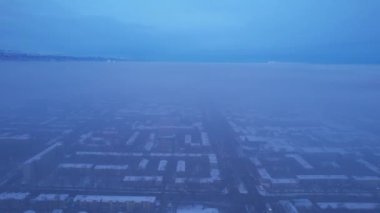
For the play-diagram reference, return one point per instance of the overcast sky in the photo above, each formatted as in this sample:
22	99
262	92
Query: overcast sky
332	31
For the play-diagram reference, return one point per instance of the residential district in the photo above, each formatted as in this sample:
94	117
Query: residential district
157	156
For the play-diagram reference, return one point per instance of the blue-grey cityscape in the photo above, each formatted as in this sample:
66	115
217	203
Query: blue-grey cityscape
245	106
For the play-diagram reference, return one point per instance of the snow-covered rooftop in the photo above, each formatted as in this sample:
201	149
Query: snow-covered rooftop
111	167
51	197
143	178
196	209
348	205
14	195
322	177
75	166
112	198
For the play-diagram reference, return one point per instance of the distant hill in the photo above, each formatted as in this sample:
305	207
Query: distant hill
15	56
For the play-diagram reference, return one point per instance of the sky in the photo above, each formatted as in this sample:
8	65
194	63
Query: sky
323	31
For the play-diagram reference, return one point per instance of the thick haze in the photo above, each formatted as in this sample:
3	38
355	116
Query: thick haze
327	31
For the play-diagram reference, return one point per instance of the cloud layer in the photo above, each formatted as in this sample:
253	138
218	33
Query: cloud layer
339	31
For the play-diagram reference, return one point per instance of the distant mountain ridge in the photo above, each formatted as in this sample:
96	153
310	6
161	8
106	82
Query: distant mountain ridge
17	56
